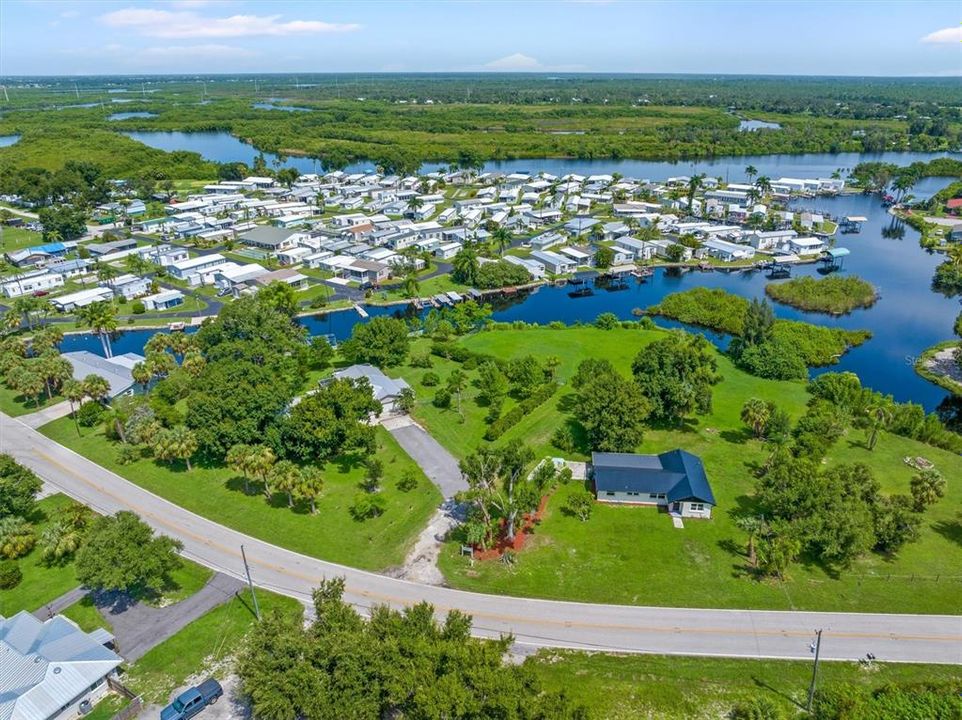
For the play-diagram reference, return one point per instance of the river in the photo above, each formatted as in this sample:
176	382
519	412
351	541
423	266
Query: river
907	319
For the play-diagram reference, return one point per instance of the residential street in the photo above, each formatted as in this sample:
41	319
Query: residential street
737	633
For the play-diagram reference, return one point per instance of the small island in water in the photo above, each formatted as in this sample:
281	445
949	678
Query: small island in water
835	295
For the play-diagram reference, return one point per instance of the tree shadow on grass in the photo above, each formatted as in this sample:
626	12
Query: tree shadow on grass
736	437
775	691
950	530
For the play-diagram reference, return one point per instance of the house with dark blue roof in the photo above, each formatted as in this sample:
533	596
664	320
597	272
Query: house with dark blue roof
675	479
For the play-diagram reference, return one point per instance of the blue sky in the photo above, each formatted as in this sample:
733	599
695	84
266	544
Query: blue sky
76	37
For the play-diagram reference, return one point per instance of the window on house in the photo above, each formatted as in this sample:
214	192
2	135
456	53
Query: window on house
662	496
698	507
610	494
653	496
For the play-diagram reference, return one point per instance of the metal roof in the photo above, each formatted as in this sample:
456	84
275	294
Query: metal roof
116	370
676	473
47	665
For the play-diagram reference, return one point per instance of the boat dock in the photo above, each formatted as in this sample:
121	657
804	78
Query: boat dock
360	311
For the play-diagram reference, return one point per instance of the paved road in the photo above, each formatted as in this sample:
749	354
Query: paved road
736	633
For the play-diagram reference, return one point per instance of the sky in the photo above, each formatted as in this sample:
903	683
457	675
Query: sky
816	37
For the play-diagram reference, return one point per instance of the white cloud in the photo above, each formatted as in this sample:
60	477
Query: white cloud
197	52
944	36
70	14
180	25
518	61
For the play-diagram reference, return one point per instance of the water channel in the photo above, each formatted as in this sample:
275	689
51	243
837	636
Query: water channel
907	319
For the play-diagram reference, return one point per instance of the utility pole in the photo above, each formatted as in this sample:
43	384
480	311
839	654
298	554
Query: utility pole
257	610
816	647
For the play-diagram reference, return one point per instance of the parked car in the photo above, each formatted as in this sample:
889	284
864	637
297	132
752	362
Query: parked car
190	702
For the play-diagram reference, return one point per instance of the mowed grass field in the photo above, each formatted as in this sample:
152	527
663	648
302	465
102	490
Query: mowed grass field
216	492
702	565
626	687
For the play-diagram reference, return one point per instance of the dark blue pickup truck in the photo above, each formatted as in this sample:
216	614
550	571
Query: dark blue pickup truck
190	702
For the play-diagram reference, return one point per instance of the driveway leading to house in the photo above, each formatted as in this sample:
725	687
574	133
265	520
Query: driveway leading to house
532	622
46	415
138	628
436	462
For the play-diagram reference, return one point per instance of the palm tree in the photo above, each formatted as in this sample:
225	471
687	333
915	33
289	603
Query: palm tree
240	458
879	417
26	381
411	285
261	462
755	414
465	266
502	239
47	338
751	171
96	387
183	444
141	374
694	184
927	487
285	477
106	274
101	318
54	369
414	203
764	185
753	525
310	486
75	392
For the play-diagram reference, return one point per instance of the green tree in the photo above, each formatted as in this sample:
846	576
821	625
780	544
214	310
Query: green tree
75	392
604	257
17	537
927	487
383	342
465	266
676	375
101	318
580	504
284	477
373	474
612	411
756	414
751	525
330	422
493	384
183	444
309	487
19	487
122	553
241	459
64	537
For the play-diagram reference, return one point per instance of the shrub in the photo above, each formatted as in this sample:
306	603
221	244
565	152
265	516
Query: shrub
90	413
422	360
607	321
756	709
563	439
442	398
557	325
138	308
511	418
127	454
408	481
367	505
580	504
10	575
430	379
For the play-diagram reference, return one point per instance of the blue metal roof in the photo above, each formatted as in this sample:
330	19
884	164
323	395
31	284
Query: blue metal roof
676	473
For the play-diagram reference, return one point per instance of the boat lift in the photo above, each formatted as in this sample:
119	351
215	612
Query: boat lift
834	258
852	223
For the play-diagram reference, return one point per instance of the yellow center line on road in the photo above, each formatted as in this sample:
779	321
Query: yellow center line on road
501	617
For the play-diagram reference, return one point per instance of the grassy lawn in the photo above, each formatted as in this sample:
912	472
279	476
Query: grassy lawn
87	616
427	288
14	238
701	565
216	493
41	582
204	646
623	687
14	404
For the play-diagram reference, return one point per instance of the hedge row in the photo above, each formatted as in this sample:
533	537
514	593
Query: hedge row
511	418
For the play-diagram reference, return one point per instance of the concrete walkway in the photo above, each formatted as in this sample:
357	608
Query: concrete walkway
47	414
436	462
138	627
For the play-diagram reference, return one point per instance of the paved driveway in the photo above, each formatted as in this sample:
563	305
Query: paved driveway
436	462
138	627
